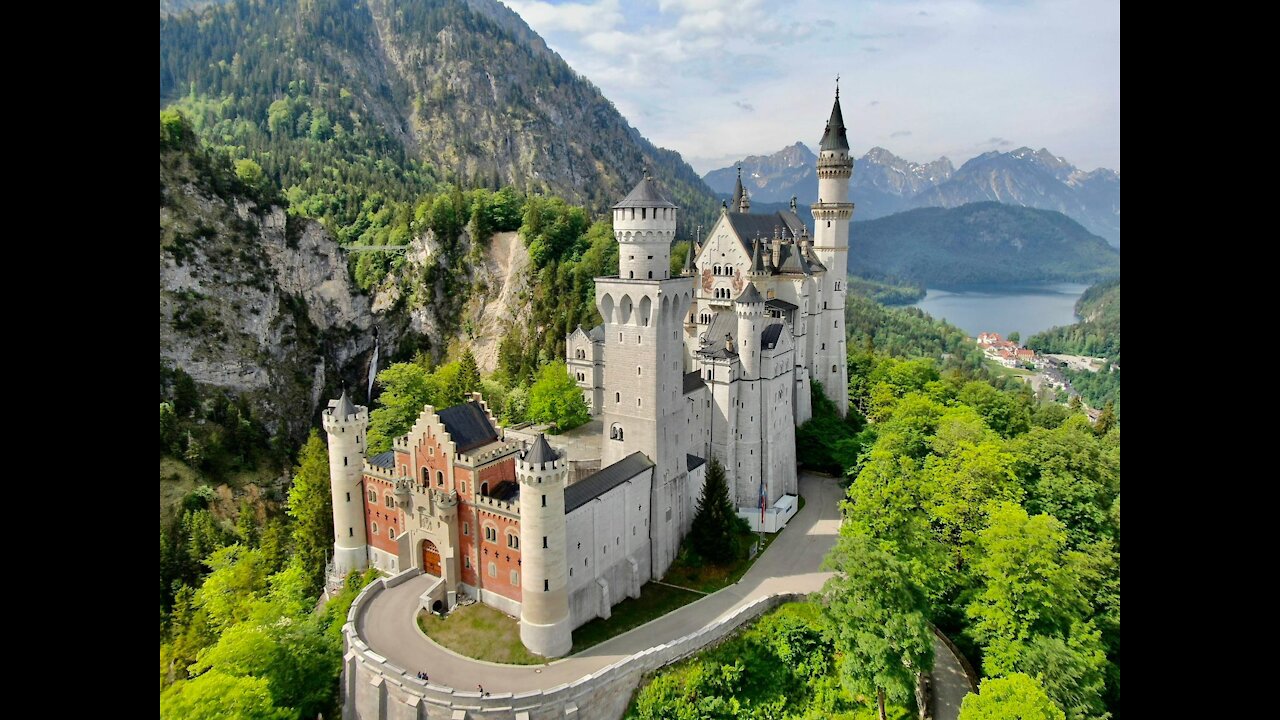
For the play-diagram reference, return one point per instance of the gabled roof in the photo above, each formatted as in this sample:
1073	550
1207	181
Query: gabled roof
693	461
645	194
769	338
468	426
749	226
593	486
385	460
541	452
597	333
833	138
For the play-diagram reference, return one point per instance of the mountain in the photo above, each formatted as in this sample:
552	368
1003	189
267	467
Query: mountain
883	184
986	242
1035	178
342	99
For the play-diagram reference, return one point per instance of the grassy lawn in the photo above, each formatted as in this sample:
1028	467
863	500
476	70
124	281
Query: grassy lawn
654	602
478	631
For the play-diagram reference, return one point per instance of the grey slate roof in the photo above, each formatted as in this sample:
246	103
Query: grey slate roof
597	333
750	294
593	486
541	452
693	381
737	192
722	323
833	138
645	194
693	461
769	338
344	408
777	304
385	460
468	425
506	491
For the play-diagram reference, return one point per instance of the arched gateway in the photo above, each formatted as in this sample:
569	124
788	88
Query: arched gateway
431	558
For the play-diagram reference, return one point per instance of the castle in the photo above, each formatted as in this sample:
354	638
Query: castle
719	360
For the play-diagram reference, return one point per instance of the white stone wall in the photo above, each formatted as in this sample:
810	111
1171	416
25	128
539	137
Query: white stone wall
374	688
607	540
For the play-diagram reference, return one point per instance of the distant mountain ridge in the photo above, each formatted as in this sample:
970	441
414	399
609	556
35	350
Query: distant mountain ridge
883	184
980	243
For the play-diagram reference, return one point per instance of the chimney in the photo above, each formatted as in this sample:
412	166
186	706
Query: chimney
728	342
775	258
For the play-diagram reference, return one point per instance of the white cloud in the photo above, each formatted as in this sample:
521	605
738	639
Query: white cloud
1044	73
545	17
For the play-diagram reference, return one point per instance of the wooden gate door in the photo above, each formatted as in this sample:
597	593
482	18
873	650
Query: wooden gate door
430	558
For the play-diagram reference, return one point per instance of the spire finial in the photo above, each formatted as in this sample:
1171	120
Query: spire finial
837	86
739	171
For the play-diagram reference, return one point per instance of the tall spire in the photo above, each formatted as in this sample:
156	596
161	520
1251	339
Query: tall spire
688	256
738	192
833	138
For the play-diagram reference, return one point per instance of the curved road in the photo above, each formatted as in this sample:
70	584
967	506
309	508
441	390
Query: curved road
790	564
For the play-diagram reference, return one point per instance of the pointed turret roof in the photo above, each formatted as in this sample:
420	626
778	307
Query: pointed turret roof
541	452
757	259
688	258
344	408
750	295
645	194
834	137
737	192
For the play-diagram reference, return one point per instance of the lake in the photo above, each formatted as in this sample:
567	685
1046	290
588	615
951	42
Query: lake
1004	308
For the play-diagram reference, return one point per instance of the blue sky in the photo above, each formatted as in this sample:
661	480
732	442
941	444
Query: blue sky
721	79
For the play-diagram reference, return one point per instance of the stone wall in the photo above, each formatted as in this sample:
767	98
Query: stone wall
373	688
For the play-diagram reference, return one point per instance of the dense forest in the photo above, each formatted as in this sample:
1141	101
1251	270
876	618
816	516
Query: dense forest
993	516
986	242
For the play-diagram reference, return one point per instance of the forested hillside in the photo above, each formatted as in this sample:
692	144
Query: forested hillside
984	242
356	106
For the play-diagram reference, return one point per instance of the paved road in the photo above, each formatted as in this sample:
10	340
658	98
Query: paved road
790	564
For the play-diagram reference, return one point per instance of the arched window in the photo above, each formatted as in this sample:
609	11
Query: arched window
833	368
513	541
388	500
484	488
631	274
440	478
615	432
375	528
491	533
426	476
650	274
391	533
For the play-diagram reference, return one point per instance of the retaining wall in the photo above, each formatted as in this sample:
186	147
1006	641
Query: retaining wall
373	688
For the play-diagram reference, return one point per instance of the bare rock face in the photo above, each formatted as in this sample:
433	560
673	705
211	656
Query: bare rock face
258	303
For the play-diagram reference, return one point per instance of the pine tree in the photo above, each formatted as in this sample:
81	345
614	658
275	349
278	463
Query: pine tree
311	506
1106	418
468	379
715	524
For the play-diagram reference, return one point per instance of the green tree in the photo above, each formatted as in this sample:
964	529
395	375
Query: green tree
215	695
555	398
168	429
716	523
1028	585
879	615
1106	419
311	506
1072	668
1015	336
1015	697
250	173
406	388
468	379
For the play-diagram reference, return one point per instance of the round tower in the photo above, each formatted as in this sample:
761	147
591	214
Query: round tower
346	425
544	605
645	225
831	216
750	310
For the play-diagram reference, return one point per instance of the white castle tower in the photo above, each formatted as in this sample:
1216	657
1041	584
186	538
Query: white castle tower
644	311
831	216
544	607
346	425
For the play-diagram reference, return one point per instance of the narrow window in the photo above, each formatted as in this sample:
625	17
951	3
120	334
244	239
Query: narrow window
348	497
544	501
544	541
344	460
351	532
546	586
